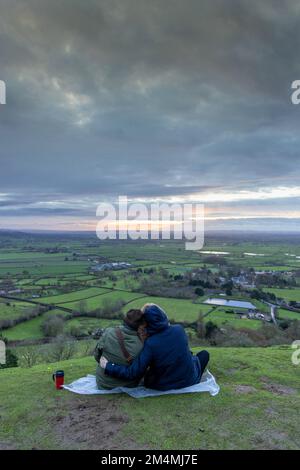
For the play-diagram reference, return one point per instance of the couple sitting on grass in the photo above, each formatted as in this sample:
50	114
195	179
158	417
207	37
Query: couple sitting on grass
147	347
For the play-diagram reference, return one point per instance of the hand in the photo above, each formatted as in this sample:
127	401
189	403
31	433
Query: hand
142	333
103	362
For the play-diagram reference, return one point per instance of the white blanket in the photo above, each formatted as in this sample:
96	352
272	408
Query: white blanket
87	386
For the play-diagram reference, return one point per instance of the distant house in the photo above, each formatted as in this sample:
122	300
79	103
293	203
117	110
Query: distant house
110	266
251	314
260	316
242	281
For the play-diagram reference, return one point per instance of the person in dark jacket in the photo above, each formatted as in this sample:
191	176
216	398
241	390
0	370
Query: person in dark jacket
165	359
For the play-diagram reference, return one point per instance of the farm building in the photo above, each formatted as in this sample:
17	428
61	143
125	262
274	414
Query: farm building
110	266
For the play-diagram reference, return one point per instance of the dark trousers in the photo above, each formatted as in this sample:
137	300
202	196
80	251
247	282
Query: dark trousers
203	357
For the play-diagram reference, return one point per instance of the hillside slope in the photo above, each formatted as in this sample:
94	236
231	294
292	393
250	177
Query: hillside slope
256	408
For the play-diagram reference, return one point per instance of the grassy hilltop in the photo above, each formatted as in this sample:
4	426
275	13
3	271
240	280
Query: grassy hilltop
257	407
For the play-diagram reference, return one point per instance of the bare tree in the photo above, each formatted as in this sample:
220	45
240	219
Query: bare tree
53	326
63	348
29	356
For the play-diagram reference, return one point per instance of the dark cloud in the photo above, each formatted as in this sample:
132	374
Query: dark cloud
146	98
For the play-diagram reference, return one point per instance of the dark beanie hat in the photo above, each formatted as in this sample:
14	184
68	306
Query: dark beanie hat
134	318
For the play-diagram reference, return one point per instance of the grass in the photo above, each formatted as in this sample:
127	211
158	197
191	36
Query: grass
11	309
221	318
255	409
45	269
78	295
123	282
270	267
63	280
52	281
30	329
282	313
177	309
287	294
87	324
97	301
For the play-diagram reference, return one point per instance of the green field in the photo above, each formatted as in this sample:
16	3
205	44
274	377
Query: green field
287	294
78	295
177	309
97	301
282	313
87	324
12	309
30	329
222	319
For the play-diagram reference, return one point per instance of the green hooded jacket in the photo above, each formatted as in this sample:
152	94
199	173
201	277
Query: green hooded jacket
108	346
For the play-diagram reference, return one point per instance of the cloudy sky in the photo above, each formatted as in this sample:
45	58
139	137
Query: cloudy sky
156	100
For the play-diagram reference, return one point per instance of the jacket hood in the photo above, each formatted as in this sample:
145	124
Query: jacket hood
156	319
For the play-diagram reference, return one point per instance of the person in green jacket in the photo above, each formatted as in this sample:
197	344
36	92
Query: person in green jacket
120	345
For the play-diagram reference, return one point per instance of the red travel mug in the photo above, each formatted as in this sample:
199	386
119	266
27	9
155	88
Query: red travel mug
58	378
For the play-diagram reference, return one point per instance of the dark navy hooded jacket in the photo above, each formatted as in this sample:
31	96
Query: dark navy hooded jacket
165	360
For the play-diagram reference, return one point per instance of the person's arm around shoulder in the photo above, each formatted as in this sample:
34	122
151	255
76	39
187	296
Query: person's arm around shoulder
135	370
